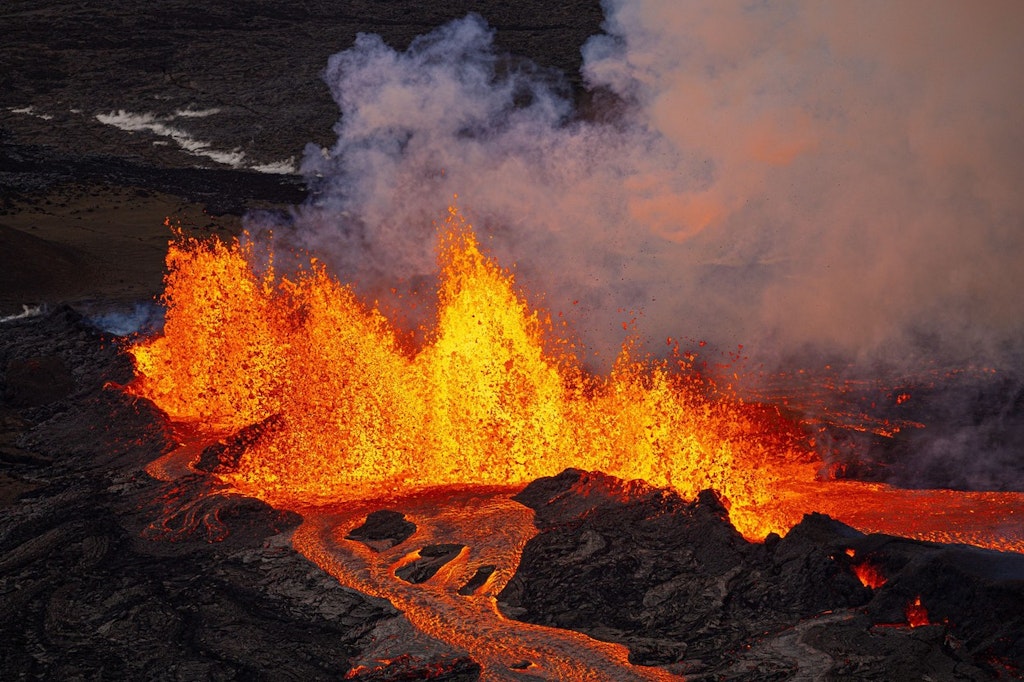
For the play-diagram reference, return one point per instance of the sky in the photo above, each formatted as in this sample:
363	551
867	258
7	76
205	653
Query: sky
810	180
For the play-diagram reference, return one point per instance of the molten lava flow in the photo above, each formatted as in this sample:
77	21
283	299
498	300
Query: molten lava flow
917	614
493	530
487	400
985	519
348	414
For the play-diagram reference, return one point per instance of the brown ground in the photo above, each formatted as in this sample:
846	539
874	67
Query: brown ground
84	244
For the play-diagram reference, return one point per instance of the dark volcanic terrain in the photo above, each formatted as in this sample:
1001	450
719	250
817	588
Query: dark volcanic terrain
215	92
110	572
675	582
258	63
115	116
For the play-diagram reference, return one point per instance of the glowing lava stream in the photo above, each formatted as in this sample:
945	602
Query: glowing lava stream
993	520
494	530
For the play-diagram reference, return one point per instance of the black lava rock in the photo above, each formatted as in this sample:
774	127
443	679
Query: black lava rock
673	581
431	559
383	529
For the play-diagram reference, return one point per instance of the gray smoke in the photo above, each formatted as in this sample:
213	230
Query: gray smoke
788	176
819	182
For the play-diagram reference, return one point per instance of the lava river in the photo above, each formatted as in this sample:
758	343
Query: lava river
493	530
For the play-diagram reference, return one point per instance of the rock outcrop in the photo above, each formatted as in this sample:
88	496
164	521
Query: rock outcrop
673	580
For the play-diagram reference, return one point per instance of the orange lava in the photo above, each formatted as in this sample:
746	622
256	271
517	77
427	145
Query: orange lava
982	518
493	529
869	575
917	614
491	399
492	396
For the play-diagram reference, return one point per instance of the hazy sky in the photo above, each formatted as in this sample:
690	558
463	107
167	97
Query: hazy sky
791	176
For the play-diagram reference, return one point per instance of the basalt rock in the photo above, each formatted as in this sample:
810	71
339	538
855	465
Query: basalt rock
675	582
35	381
108	573
223	456
478	580
383	529
431	559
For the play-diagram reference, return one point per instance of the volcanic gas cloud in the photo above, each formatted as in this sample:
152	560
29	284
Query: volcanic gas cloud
495	395
821	184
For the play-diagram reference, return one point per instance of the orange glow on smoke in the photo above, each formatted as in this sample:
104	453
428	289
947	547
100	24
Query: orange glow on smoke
488	399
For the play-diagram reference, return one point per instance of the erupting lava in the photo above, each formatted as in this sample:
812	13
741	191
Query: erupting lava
490	399
347	410
869	575
917	614
344	413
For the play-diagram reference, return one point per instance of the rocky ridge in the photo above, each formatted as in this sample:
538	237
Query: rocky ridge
674	581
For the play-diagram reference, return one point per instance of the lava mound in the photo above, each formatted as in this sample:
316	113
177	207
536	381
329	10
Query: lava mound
673	580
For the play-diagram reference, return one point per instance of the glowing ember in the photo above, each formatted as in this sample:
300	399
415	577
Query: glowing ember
869	575
488	399
917	614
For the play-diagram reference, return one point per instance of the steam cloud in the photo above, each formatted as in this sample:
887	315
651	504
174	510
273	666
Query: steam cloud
802	178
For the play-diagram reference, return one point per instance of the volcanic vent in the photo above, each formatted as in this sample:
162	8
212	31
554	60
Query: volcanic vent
493	397
338	415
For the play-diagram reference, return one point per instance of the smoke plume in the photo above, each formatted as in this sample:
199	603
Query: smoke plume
787	176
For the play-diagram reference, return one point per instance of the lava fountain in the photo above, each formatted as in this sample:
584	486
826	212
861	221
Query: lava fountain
349	409
342	414
493	397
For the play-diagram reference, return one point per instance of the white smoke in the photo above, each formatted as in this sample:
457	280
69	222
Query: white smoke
140	318
161	127
788	176
26	312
